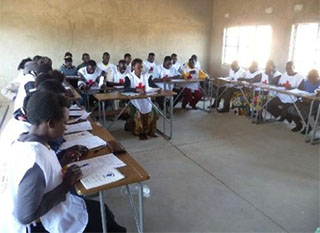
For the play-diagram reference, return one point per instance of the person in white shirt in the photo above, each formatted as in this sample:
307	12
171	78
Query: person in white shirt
252	73
290	80
165	72
192	91
143	118
105	65
117	76
197	63
235	73
175	64
149	65
89	76
128	58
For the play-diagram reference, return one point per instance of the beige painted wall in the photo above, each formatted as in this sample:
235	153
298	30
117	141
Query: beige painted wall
137	26
246	12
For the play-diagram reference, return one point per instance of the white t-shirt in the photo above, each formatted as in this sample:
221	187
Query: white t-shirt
236	75
18	103
294	81
194	85
150	68
89	77
166	73
250	75
106	68
116	77
12	131
265	77
177	66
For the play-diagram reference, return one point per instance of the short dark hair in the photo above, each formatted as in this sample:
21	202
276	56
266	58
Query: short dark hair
67	55
122	62
23	62
59	76
174	55
36	57
45	60
136	61
26	101
85	54
167	58
127	55
44	68
41	78
44	106
68	59
106	53
151	55
52	85
92	63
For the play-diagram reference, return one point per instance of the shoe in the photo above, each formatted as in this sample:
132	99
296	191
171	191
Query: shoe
183	106
297	128
305	129
143	137
223	110
282	119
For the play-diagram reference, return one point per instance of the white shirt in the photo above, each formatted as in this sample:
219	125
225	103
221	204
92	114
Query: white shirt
129	68
166	73
250	75
18	103
177	66
294	81
89	77
236	75
150	68
198	65
106	68
116	77
194	86
265	77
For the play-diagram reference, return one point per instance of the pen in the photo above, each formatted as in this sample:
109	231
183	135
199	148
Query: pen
84	165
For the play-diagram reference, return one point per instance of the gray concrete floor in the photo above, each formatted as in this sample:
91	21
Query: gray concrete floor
221	173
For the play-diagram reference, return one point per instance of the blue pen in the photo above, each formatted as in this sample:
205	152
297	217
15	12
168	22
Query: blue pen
84	165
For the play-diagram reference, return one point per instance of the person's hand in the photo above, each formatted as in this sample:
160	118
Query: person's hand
71	177
73	154
141	91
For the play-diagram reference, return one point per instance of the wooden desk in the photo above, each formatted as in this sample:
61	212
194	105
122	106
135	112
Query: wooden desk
76	96
103	97
133	172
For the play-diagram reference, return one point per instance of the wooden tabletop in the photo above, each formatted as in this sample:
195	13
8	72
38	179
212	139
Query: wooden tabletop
119	96
181	80
133	172
76	96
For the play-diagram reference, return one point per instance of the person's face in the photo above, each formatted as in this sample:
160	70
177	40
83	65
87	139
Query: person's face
138	69
167	64
91	69
290	68
191	64
57	128
174	60
128	59
269	69
235	66
106	59
68	64
253	68
86	58
121	68
151	59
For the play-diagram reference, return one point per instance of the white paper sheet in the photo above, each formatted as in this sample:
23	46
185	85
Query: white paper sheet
83	117
130	94
75	107
77	112
102	177
82	126
89	142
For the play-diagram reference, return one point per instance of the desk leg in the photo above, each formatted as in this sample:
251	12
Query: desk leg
118	116
171	115
133	208
141	217
309	120
164	113
99	106
315	126
104	113
103	212
217	95
211	94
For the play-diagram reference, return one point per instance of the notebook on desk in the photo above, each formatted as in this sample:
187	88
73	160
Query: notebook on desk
82	126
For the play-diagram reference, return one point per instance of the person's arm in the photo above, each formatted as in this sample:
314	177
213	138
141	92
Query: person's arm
202	75
301	86
127	86
256	79
275	81
152	83
32	201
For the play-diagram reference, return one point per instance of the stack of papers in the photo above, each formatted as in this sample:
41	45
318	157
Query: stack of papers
84	139
300	92
84	116
100	170
77	112
130	94
83	126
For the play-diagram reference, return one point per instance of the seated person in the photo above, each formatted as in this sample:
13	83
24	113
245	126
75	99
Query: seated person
10	90
270	75
67	55
85	59
289	80
127	57
117	76
89	76
192	92
197	63
37	189
143	118
165	72
175	64
235	73
252	73
67	68
149	66
310	85
105	65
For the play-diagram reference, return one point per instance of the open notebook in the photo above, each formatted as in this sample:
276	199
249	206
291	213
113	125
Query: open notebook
100	170
84	139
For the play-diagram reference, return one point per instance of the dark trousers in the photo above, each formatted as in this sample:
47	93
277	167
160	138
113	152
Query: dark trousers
191	98
94	223
276	108
227	96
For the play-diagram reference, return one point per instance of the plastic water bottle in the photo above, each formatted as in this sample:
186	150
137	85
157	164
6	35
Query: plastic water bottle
134	189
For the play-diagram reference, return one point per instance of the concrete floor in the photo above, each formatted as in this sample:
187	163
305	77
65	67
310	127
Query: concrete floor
220	173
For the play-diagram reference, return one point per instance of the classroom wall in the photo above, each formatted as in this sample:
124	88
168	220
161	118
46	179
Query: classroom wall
51	28
246	12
